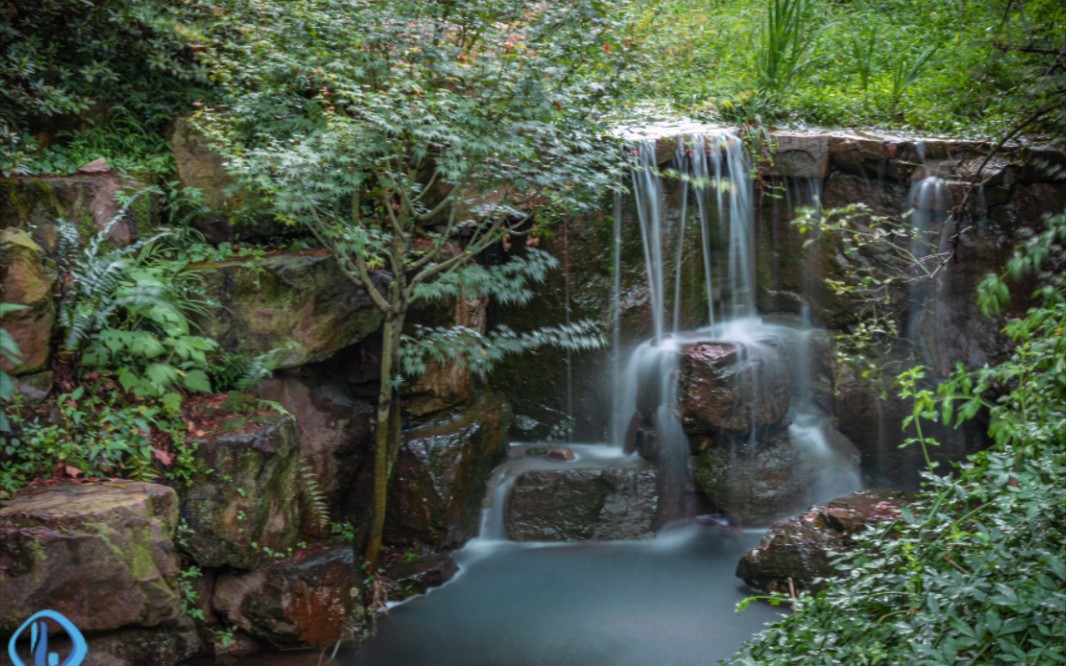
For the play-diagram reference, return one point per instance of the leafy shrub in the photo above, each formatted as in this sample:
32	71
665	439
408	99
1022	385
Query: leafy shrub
973	571
125	311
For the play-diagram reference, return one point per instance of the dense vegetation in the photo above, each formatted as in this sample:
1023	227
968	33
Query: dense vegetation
942	66
376	128
973	571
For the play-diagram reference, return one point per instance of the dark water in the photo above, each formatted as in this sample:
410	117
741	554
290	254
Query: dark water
669	601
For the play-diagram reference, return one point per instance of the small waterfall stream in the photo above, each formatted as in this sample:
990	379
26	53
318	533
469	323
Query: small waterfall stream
669	598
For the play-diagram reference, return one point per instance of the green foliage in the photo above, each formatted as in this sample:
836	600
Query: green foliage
103	78
467	348
312	497
9	351
190	598
783	43
943	66
973	571
125	311
881	259
95	434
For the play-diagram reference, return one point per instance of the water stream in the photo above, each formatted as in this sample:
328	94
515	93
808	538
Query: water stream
669	599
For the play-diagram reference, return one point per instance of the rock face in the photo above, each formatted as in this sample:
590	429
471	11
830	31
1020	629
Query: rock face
308	600
758	483
441	471
232	215
85	199
799	548
166	645
334	428
583	504
27	277
298	305
242	504
102	555
733	387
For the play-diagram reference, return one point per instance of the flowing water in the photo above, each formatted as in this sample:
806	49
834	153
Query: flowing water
666	600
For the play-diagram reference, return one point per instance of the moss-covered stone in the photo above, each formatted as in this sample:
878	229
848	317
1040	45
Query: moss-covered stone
103	555
242	504
27	277
758	483
301	305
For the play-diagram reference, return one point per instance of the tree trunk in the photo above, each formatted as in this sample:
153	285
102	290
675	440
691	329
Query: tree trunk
386	435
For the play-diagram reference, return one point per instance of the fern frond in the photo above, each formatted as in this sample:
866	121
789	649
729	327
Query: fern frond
314	499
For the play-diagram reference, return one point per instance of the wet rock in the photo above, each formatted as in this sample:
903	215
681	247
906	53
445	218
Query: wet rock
166	645
758	482
800	548
334	428
583	504
102	555
441	471
299	306
800	155
415	572
560	453
308	600
27	277
734	387
241	504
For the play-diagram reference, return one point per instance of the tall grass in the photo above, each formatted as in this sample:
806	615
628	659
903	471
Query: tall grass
783	43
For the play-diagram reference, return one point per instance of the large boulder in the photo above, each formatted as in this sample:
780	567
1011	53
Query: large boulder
734	387
334	428
311	599
300	306
87	199
241	503
757	481
446	384
583	504
799	549
441	471
27	277
102	555
168	644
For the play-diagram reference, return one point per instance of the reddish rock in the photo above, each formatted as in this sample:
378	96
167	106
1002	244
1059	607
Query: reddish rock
730	386
799	548
311	599
560	453
97	167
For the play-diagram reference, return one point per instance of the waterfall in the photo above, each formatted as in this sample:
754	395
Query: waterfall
715	215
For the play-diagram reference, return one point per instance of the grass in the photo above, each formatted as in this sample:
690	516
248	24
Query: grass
939	66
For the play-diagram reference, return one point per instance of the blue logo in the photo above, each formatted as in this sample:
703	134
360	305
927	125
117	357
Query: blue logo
39	641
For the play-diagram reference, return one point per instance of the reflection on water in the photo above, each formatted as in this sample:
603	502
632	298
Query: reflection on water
667	601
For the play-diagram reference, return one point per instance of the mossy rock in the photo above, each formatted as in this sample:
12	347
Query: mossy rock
103	555
27	277
242	503
300	306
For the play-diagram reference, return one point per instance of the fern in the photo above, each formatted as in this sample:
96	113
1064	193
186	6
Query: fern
314	500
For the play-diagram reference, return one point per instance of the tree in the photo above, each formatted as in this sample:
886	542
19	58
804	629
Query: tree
411	136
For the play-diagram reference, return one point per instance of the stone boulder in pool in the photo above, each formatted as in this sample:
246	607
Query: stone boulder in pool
583	504
799	548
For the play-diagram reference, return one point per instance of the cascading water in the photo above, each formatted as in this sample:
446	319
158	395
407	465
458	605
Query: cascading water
715	175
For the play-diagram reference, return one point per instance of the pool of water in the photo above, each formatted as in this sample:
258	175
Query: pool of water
666	601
